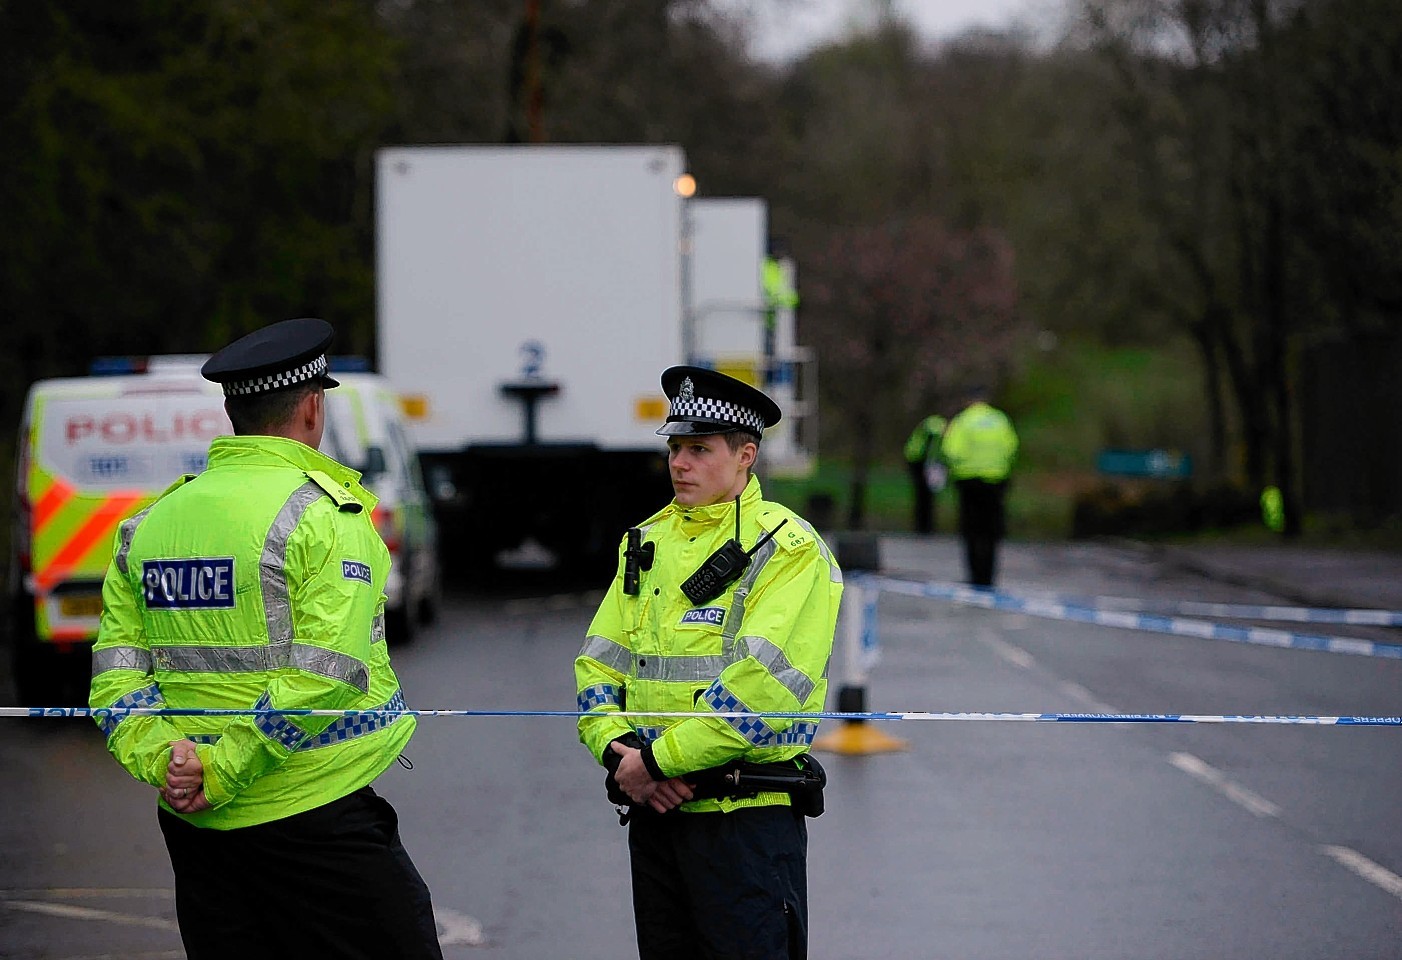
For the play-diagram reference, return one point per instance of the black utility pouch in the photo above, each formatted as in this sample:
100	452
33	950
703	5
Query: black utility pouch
809	802
802	778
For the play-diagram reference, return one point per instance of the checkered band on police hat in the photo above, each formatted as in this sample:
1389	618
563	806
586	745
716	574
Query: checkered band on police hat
720	411
310	370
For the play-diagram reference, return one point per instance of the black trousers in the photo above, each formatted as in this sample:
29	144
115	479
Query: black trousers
982	525
331	882
924	498
721	886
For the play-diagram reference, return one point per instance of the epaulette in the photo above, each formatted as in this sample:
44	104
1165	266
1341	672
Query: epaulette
345	500
794	533
184	479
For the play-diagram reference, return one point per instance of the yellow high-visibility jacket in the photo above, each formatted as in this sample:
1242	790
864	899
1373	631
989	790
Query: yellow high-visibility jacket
763	644
924	440
256	584
979	443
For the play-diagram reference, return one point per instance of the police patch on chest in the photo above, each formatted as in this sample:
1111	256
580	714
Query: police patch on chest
198	583
355	570
711	615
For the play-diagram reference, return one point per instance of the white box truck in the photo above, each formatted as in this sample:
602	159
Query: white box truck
528	297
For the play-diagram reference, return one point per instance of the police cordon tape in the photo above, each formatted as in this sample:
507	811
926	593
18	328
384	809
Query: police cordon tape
1154	623
107	712
1229	611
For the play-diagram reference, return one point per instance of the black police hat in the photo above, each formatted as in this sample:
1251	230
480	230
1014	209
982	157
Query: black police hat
279	355
704	401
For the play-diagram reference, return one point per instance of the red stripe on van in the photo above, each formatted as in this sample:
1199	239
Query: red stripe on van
98	527
53	500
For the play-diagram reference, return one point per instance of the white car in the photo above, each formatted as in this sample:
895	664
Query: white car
365	431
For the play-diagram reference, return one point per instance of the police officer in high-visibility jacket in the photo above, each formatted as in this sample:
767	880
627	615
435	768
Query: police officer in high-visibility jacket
260	584
979	447
927	470
723	603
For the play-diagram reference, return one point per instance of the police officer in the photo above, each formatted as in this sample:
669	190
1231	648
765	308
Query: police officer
260	584
979	447
724	602
927	470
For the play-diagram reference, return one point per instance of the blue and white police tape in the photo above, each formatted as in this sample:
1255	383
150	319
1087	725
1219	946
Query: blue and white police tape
1230	611
104	712
1177	626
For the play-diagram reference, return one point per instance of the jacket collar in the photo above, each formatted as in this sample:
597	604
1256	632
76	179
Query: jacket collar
724	510
277	452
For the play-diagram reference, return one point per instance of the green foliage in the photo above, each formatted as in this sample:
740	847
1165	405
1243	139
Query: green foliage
179	171
1067	404
182	172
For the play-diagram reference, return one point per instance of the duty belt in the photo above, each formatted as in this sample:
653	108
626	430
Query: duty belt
802	778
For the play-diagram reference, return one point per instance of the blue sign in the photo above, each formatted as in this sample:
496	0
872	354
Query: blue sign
714	615
1159	464
202	583
355	570
109	467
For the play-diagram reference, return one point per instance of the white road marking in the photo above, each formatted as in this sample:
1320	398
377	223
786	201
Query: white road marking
1015	655
1079	693
79	893
455	928
1374	873
69	912
1242	797
159	955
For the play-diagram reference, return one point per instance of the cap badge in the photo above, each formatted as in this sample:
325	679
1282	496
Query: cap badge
688	390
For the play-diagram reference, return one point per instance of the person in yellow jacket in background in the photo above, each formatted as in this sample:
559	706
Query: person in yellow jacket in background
723	603
260	584
979	447
927	470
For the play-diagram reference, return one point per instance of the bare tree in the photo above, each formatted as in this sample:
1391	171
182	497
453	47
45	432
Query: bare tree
905	314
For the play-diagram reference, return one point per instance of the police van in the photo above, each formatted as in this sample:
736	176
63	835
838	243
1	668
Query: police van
94	450
365	430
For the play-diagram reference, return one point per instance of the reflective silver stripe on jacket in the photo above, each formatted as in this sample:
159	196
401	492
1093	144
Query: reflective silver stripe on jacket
377	628
694	669
121	658
793	679
198	658
272	565
597	696
742	592
126	531
608	652
834	571
148	696
277	727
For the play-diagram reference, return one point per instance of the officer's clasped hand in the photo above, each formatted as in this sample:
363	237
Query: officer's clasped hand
184	789
634	779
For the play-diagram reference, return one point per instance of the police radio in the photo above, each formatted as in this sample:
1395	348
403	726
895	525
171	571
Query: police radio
637	556
723	567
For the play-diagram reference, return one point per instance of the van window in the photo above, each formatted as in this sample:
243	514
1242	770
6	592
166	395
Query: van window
409	463
348	431
141	442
